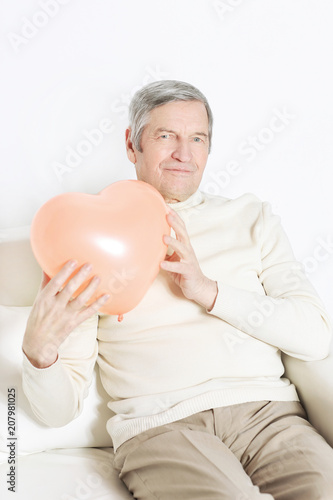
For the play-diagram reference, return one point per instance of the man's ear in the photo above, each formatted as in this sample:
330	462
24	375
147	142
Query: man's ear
130	148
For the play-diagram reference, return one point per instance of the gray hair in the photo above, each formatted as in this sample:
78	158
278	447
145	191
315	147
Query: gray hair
156	94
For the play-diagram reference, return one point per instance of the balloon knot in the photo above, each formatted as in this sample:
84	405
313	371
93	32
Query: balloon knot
120	317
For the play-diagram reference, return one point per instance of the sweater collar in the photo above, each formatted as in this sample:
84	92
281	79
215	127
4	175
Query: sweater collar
194	200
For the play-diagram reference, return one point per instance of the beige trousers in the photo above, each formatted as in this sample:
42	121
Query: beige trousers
261	450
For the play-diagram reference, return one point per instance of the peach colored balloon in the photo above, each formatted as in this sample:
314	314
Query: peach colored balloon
119	231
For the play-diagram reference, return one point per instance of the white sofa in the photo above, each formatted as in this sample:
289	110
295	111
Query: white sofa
75	462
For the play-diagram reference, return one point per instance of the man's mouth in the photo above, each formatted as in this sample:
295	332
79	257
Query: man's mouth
179	170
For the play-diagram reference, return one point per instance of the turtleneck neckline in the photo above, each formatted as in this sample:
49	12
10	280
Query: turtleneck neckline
193	200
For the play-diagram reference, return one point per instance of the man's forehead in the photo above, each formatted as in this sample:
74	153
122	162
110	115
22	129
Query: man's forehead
178	113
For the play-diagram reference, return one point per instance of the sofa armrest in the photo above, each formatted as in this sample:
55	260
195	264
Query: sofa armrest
314	384
20	274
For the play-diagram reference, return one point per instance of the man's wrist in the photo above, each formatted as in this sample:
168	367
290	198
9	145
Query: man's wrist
210	295
39	362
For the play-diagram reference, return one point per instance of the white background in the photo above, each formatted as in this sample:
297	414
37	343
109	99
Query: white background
68	65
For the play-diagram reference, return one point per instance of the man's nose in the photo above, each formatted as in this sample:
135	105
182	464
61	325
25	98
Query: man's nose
182	151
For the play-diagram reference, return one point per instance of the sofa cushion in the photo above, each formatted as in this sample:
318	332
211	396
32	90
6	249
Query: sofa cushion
87	430
71	474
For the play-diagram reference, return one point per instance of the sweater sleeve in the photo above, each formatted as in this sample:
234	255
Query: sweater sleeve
56	393
289	314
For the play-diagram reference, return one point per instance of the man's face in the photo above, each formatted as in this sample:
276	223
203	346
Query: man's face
174	149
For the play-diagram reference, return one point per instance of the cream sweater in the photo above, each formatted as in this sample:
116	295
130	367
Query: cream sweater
170	358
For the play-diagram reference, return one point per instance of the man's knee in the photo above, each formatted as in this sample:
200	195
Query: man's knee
323	486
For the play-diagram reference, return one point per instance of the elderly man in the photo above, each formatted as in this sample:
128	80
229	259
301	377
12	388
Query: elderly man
194	372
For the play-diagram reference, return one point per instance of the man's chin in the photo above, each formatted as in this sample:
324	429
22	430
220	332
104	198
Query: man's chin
176	196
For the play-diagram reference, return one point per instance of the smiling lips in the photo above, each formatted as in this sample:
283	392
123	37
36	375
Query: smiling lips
179	170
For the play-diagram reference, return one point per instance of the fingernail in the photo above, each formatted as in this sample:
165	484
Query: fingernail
87	267
72	263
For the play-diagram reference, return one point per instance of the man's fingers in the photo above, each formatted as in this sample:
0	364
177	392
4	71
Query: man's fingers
86	294
74	283
174	267
177	246
45	280
94	307
178	226
58	281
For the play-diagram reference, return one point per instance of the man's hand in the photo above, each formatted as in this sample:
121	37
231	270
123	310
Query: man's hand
184	268
54	314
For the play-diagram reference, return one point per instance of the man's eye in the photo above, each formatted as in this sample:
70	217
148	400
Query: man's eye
165	136
197	139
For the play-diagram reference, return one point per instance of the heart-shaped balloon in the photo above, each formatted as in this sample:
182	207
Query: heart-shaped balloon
119	231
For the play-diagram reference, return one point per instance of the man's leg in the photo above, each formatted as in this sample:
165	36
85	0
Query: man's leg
283	454
184	460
